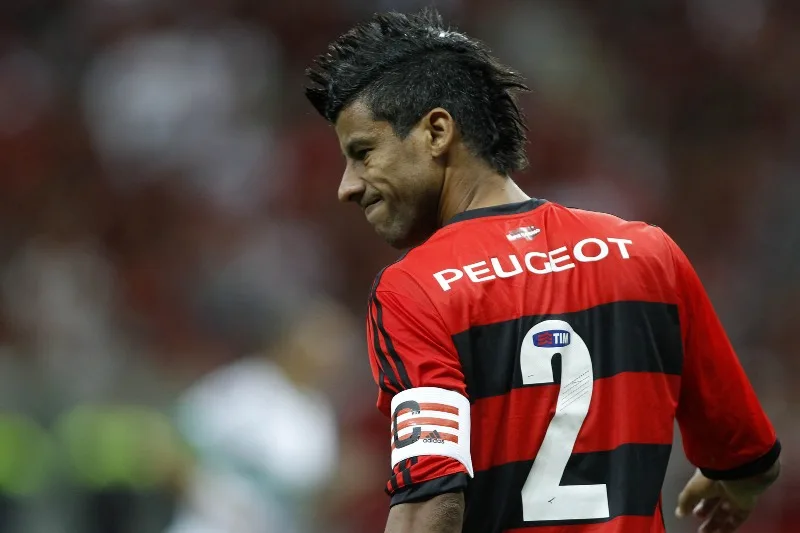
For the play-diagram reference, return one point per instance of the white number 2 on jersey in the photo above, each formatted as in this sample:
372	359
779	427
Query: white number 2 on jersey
543	498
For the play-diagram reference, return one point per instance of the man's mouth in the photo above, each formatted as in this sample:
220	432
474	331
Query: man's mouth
370	201
372	206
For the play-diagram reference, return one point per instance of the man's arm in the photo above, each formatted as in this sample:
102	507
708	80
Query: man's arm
440	514
421	389
726	433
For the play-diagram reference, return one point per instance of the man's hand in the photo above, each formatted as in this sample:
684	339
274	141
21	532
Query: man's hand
441	514
723	505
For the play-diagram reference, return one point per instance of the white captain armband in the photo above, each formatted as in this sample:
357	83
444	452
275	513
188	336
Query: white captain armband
431	421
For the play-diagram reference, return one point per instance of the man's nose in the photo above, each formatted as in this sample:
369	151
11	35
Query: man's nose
351	186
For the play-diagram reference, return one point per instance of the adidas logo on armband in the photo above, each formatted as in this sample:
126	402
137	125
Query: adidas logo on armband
434	437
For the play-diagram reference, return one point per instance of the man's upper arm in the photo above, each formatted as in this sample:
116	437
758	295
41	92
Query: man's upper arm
421	389
724	429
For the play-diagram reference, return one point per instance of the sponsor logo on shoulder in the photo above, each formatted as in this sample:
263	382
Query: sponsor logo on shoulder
554	338
525	232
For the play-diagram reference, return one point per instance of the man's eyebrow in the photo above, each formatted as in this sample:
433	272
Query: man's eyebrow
356	143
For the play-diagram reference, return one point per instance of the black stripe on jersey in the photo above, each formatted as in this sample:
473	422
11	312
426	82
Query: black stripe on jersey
382	380
399	380
633	475
406	470
621	337
401	470
753	468
495	210
404	381
393	483
429	489
385	372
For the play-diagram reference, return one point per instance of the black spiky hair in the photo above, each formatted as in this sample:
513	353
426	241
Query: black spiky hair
402	66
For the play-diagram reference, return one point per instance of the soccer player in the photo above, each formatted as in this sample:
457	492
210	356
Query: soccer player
531	358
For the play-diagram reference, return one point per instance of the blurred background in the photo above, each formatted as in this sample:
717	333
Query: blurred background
182	298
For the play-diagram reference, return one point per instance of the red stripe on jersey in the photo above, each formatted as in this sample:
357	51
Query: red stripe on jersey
427	421
442	408
620	524
642	403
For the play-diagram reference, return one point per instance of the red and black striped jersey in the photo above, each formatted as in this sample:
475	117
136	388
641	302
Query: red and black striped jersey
578	339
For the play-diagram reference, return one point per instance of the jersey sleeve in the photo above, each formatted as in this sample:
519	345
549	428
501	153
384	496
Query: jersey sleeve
421	389
724	428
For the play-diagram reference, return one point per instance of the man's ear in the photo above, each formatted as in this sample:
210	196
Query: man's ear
441	130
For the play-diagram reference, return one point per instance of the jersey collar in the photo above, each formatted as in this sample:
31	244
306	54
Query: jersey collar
496	210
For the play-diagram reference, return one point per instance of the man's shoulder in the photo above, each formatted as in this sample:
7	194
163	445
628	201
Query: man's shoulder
409	274
604	219
411	263
647	234
398	275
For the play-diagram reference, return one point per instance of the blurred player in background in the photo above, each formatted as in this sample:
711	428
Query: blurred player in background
264	439
532	358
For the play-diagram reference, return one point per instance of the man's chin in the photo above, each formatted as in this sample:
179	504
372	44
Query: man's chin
392	240
401	240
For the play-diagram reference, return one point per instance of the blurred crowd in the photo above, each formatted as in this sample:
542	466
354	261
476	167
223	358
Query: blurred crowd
182	299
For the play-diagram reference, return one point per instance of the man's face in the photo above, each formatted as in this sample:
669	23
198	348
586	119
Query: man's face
396	181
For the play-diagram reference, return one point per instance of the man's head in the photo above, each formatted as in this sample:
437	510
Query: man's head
408	97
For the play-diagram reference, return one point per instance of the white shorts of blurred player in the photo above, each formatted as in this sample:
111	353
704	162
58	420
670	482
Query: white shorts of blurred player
264	448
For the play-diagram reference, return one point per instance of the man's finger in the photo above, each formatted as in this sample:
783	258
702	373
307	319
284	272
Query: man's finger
717	520
697	489
704	508
724	518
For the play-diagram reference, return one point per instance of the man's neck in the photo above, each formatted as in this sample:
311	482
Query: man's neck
486	190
